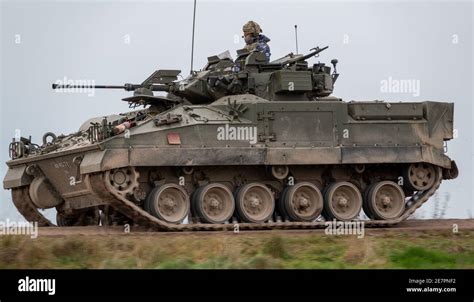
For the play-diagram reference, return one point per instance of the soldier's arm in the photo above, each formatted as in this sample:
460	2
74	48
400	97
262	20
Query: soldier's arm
263	47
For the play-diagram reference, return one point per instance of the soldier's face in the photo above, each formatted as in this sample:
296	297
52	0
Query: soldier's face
248	38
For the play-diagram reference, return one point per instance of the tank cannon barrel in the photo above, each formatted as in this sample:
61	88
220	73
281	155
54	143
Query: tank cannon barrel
126	87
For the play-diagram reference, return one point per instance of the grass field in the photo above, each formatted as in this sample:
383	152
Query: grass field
383	249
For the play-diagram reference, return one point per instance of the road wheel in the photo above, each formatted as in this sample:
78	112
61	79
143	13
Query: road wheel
255	203
385	200
214	203
342	201
169	202
302	202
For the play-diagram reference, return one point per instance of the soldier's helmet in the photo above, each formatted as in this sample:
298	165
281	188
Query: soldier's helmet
252	27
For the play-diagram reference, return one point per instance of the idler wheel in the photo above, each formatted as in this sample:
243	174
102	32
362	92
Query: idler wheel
419	176
123	180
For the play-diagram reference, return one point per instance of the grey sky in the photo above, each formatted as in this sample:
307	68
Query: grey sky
374	41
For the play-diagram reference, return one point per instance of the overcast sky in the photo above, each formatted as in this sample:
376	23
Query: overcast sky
114	42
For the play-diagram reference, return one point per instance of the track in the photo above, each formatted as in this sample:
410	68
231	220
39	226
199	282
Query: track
405	226
142	218
105	191
22	201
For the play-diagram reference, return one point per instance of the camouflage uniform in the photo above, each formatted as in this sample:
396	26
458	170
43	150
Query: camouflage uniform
256	40
261	45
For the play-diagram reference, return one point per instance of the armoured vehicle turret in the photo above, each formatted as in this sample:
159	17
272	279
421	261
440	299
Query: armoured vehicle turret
261	145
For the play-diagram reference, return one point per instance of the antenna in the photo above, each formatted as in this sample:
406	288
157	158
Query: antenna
296	37
192	42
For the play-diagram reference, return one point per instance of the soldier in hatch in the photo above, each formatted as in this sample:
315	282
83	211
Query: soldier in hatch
255	40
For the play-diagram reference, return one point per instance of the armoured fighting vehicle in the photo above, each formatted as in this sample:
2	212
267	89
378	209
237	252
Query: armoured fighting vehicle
261	145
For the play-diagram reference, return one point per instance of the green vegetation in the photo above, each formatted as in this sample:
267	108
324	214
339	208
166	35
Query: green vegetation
380	249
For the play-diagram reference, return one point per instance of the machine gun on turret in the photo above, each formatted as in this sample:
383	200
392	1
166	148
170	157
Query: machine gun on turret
296	59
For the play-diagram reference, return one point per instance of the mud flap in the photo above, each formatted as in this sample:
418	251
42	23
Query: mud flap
16	177
451	173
